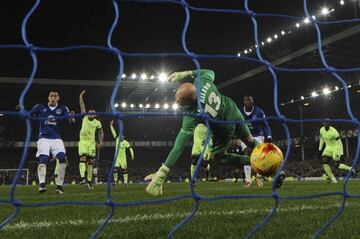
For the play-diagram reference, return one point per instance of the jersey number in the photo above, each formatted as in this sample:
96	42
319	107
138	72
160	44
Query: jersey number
212	99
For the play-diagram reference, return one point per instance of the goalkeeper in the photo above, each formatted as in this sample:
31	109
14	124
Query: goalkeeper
121	162
333	150
198	146
217	107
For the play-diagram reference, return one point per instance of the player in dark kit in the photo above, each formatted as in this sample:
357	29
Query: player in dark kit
49	140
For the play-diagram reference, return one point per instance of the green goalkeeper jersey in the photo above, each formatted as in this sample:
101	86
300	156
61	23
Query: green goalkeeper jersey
212	102
214	105
330	137
88	129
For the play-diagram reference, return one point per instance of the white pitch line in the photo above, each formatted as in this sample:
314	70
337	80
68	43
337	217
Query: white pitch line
159	216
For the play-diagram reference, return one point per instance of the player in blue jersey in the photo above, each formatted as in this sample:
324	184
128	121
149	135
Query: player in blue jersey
260	131
49	140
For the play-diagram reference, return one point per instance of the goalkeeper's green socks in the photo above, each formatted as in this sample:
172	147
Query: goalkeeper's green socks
125	178
329	172
82	169
344	167
89	172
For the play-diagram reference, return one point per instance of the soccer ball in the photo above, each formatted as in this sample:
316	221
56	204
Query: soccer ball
266	159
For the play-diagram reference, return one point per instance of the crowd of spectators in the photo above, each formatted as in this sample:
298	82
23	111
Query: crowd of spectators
147	160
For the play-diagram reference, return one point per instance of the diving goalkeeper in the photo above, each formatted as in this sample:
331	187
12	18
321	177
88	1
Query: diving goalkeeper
217	107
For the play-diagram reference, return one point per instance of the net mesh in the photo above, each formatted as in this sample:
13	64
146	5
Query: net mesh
279	117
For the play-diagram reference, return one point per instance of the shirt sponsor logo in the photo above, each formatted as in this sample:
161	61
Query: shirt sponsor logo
50	120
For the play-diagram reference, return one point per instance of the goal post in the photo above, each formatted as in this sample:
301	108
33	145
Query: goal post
8	174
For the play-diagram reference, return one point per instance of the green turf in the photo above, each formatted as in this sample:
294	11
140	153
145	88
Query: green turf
231	218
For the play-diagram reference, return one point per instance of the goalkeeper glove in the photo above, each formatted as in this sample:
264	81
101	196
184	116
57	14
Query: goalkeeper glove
157	179
178	76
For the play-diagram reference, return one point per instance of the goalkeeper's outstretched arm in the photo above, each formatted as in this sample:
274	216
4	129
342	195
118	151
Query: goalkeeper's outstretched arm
157	179
203	73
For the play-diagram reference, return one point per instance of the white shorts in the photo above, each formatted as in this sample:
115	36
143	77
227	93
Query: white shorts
260	139
47	146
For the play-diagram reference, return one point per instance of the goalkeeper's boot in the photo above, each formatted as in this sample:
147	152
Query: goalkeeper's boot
89	185
42	188
280	180
82	181
59	189
259	180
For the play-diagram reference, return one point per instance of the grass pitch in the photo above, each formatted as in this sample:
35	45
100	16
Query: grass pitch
230	218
